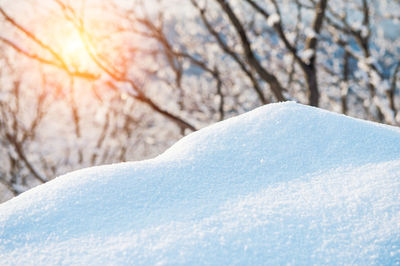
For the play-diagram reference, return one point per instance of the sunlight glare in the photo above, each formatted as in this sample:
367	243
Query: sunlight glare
74	52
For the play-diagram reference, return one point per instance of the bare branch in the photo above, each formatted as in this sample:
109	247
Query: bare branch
231	53
271	79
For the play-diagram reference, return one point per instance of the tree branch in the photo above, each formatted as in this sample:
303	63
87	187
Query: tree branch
271	79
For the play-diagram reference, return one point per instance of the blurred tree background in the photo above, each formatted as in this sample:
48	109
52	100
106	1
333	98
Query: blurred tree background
85	83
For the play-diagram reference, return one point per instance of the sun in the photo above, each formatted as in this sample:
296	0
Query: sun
86	49
73	51
73	47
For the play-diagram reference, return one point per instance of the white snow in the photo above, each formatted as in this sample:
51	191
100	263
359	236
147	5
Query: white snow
307	54
273	19
310	33
283	184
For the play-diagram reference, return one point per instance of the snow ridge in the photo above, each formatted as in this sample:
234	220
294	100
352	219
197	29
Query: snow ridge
285	183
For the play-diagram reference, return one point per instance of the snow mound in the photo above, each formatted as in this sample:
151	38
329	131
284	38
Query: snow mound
283	184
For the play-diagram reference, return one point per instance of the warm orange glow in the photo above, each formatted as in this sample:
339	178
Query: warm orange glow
74	52
87	52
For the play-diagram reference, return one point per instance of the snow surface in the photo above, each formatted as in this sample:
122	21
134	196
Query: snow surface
283	184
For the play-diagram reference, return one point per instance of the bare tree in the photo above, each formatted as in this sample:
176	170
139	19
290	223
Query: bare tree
258	38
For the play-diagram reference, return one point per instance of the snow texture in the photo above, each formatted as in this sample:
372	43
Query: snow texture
283	184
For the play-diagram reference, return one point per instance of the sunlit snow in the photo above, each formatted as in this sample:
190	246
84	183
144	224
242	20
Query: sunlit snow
283	184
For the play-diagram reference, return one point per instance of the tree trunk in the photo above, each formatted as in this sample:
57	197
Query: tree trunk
312	86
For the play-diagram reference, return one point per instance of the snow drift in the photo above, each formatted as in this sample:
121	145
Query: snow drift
283	184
